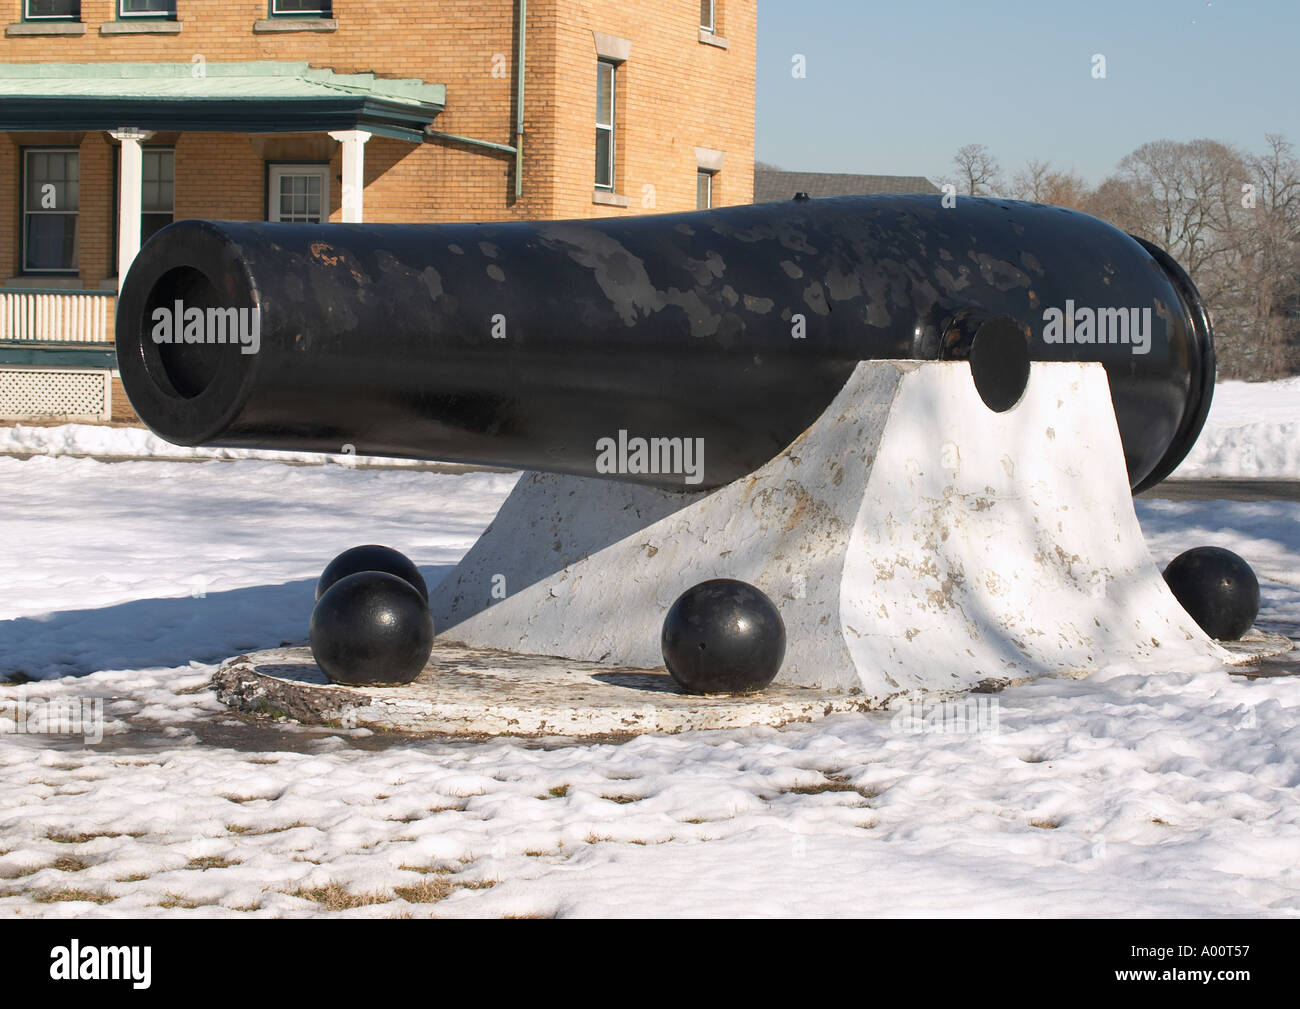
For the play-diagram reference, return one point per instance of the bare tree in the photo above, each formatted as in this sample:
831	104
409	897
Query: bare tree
1116	200
977	170
1268	268
1231	220
1030	183
1066	189
1191	192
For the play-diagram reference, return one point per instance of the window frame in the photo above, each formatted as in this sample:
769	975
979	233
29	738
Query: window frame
279	168
39	18
326	12
125	15
23	213
611	127
706	173
712	26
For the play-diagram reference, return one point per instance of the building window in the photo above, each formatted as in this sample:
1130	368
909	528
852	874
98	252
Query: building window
708	15
605	74
703	190
146	8
158	190
157	193
297	8
52	10
51	198
299	194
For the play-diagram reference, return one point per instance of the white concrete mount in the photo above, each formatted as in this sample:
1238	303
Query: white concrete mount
913	539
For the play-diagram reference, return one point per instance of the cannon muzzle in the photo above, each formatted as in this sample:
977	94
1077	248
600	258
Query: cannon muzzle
715	337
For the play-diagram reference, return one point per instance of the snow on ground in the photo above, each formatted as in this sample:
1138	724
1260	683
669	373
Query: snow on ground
1124	794
1253	430
102	441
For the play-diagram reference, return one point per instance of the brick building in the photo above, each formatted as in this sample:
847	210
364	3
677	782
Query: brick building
120	116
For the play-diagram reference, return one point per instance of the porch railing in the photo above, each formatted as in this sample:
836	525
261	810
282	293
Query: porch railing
50	316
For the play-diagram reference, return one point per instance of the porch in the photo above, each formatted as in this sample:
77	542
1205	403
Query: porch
94	158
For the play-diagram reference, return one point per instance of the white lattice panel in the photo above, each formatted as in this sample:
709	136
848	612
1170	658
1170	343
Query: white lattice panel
56	393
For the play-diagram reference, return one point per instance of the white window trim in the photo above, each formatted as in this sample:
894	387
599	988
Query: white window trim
22	237
612	125
708	175
712	26
278	171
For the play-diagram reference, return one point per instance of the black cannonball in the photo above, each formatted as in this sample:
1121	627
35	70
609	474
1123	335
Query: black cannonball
1217	588
371	627
372	557
723	636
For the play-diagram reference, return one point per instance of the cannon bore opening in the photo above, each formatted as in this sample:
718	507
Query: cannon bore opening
179	361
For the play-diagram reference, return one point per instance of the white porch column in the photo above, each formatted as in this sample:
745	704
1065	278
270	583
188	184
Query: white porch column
354	172
128	198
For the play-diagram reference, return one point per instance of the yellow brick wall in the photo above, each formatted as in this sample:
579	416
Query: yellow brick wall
94	219
674	94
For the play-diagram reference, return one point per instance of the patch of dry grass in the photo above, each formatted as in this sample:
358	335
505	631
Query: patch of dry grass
69	838
427	891
333	897
235	828
172	900
439	870
212	862
831	783
68	894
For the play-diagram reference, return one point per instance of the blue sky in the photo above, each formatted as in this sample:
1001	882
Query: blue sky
895	88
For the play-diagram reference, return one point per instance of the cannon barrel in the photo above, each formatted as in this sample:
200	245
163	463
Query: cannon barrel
531	344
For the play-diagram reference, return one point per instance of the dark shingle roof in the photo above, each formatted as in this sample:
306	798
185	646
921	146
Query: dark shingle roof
771	186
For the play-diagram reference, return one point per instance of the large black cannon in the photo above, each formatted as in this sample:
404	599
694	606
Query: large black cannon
524	344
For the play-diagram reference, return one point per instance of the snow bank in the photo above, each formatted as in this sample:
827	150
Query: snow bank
104	442
1253	431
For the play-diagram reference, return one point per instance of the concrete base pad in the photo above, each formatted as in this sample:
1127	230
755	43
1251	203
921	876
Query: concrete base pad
486	692
477	692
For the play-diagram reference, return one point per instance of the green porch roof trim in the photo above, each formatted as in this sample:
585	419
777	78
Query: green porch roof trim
248	97
56	355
